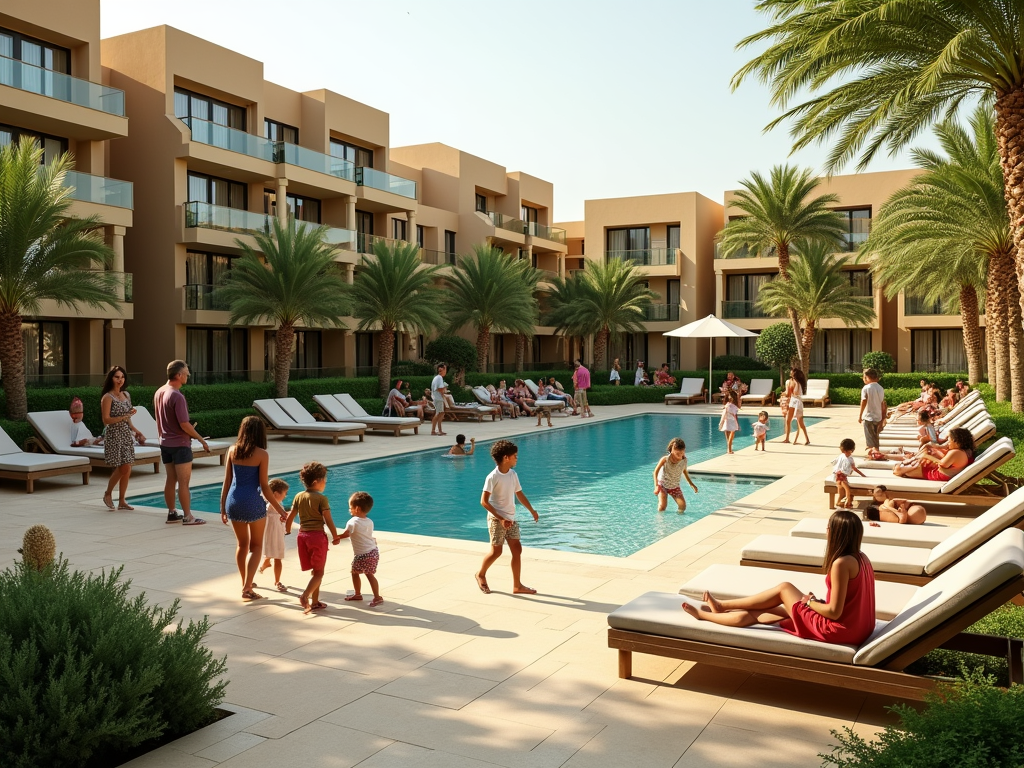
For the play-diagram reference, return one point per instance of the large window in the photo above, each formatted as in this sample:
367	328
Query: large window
14	45
745	347
860	279
364	222
306	350
216	350
211	189
858	226
940	350
276	131
53	146
203	272
742	293
630	239
399	229
419	235
45	348
481	203
364	353
528	214
354	154
188	105
302	208
449	242
672	236
838	350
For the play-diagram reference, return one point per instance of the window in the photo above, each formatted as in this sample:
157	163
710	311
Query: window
188	105
45	348
449	242
305	352
858	226
216	350
276	131
839	350
302	208
354	154
938	350
528	214
364	354
673	353
211	189
399	228
743	347
14	45
630	239
419	235
53	146
203	272
481	203
364	222
741	294
860	279
672	236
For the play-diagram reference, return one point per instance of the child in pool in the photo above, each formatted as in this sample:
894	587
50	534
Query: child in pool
459	449
670	470
761	430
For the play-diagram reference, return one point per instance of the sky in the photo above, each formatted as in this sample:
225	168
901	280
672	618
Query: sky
603	99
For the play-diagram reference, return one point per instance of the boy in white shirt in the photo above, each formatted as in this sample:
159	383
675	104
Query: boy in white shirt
501	489
872	409
364	546
844	467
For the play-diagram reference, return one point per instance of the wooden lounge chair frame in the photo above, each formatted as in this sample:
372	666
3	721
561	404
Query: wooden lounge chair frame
975	493
679	398
30	477
38	444
887	678
825	400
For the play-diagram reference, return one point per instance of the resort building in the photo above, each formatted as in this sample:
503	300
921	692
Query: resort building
54	92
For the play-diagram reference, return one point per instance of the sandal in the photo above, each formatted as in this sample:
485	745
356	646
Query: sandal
194	521
351	598
281	587
248	596
125	506
376	601
317	606
108	501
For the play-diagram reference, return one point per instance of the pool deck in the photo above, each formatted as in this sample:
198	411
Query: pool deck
443	676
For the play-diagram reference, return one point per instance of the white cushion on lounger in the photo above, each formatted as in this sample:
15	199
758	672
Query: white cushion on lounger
689	389
349	404
802	551
280	420
1007	512
334	408
660	613
993	564
758	390
927	536
146	424
530	385
39	462
55	429
727	582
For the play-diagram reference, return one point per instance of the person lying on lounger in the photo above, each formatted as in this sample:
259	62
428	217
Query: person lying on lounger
887	509
956	457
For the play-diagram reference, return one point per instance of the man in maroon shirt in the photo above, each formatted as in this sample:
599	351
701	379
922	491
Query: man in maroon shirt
176	434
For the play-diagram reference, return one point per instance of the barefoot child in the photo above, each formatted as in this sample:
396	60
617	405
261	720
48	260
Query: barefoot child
314	512
273	534
364	547
501	489
459	449
670	470
730	422
761	430
886	509
844	467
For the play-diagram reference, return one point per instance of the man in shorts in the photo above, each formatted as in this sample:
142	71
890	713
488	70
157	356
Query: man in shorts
176	434
581	383
437	393
501	489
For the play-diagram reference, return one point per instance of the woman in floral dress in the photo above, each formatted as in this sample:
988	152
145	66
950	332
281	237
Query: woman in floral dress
120	435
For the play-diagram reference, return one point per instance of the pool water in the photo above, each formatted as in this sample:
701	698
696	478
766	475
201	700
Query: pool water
592	485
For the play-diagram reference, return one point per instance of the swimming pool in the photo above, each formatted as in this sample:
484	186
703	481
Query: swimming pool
591	484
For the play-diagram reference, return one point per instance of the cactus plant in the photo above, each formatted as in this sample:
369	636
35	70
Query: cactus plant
38	548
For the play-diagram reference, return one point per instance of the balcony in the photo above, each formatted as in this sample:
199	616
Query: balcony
662	312
385	182
743	253
436	258
220	217
742	309
854	240
338	236
231	139
365	243
506	222
98	189
202	297
555	234
293	154
646	257
915	306
57	85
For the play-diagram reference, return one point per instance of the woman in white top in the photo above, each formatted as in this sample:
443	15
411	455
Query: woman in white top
796	386
640	379
613	375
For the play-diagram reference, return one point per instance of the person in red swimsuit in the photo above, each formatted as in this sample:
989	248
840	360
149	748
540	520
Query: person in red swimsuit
846	615
941	467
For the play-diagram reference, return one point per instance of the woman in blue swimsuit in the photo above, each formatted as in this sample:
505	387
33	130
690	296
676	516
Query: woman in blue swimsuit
245	475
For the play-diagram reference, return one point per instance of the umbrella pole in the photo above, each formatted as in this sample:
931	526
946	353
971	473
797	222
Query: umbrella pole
711	358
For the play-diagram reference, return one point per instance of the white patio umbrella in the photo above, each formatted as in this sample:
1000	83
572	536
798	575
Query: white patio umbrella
710	327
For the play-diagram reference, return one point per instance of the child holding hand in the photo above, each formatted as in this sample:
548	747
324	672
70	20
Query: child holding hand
844	467
314	512
273	534
364	546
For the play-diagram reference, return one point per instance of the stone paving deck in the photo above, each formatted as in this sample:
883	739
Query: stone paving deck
442	675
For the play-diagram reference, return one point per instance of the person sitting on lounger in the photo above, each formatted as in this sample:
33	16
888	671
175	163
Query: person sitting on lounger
397	403
663	377
80	434
554	391
734	383
640	377
521	396
846	615
913	405
886	509
498	398
958	455
952	398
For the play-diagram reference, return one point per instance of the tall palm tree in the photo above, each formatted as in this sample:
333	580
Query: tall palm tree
561	303
879	71
394	292
780	211
937	238
607	298
44	256
817	289
299	282
493	292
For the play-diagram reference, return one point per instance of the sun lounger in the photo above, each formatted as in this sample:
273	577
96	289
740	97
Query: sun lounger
286	416
16	464
963	487
483	397
343	408
53	432
817	393
956	420
469	410
982	430
543	402
936	616
690	391
967	420
967	401
760	392
146	424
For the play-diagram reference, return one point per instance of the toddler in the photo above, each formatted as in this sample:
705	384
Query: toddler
314	512
80	434
273	534
887	509
730	423
364	546
761	430
844	467
670	470
459	449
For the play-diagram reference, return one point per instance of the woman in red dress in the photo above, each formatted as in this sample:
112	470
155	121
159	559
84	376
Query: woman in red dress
845	616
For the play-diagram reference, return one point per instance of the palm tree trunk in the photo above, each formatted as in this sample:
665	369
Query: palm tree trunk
996	353
483	347
600	348
806	342
1010	137
972	332
284	341
794	320
387	353
12	365
1000	278
1015	353
520	352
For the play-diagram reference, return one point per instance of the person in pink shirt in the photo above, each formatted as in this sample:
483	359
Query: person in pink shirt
581	383
176	435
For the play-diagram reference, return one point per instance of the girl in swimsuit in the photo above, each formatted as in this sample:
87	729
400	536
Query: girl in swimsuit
959	454
886	509
795	389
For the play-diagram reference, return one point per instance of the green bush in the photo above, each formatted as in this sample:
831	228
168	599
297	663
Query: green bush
880	361
970	723
459	354
851	395
606	394
87	670
730	362
776	345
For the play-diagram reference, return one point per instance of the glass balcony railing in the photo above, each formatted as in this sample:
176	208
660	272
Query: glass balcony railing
203	297
315	161
209	216
57	85
365	243
853	240
338	236
232	139
99	189
742	309
385	182
656	312
506	222
647	257
743	253
555	234
438	258
915	306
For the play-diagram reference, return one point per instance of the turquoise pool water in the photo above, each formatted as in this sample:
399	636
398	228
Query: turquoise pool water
592	485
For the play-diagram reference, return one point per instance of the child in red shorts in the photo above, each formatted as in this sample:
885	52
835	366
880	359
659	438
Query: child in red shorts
364	546
314	512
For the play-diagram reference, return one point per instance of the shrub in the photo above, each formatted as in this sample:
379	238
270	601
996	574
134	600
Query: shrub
970	723
606	394
881	361
88	670
776	346
459	354
732	362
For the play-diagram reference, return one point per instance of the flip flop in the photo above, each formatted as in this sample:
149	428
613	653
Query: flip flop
248	596
194	521
281	587
123	506
351	598
108	504
482	584
317	606
376	601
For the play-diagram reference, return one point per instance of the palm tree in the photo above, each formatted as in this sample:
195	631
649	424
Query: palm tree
778	214
394	291
889	69
44	256
817	289
299	282
492	291
937	237
561	302
607	298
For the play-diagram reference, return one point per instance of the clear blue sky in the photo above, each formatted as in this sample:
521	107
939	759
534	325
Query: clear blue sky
604	99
